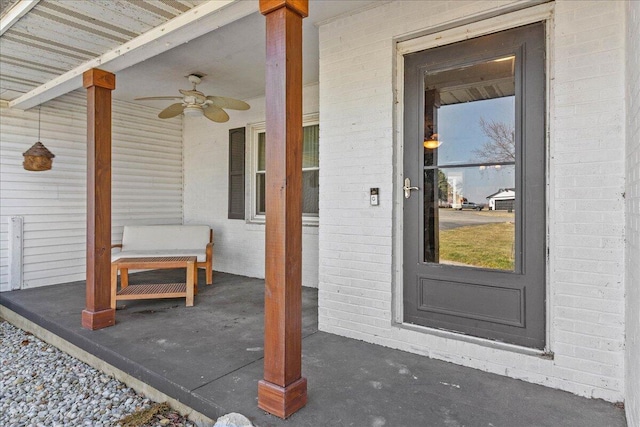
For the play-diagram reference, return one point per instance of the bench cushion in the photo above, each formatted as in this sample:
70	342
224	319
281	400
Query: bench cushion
200	253
173	238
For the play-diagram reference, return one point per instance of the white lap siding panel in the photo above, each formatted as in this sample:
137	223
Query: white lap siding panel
146	176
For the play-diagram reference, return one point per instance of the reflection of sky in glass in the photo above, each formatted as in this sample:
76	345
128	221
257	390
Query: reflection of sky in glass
460	133
459	127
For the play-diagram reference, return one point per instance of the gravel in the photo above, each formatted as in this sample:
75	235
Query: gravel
42	386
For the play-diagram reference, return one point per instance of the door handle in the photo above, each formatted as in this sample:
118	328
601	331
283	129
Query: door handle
407	188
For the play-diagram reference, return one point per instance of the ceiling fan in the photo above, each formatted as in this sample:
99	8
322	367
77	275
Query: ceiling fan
195	103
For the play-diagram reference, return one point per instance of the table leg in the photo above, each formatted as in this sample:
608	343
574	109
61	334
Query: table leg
195	279
190	277
114	283
124	277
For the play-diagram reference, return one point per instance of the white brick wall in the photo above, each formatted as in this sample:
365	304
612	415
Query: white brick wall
586	221
632	194
239	245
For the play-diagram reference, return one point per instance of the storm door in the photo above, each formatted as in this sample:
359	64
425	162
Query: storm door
474	187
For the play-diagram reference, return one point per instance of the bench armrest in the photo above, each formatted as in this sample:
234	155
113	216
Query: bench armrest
209	250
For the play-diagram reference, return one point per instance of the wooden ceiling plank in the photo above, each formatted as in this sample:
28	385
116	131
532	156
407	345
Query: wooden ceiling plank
26	83
176	5
72	39
34	65
45	57
75	25
24	42
192	24
157	9
27	72
95	19
126	15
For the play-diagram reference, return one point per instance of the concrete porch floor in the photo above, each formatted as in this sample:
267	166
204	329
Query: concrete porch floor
209	357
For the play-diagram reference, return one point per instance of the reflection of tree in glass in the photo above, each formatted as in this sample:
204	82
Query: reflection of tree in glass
501	146
443	186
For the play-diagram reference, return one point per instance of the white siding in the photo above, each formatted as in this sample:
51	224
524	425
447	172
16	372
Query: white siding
239	245
632	193
358	266
147	182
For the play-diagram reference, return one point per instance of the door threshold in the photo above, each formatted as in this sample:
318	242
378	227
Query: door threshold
484	342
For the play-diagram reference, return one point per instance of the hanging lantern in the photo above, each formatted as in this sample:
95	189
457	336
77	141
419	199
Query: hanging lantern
38	157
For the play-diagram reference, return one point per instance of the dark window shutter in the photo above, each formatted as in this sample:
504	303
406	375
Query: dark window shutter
236	173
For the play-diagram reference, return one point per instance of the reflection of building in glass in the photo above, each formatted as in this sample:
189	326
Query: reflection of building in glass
503	200
454	196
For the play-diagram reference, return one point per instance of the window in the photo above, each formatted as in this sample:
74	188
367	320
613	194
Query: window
473	130
236	173
310	170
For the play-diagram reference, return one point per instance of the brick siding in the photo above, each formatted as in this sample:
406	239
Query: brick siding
586	184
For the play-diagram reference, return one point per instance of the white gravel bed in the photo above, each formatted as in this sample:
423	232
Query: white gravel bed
42	386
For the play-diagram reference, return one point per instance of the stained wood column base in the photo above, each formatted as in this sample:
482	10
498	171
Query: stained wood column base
282	401
98	319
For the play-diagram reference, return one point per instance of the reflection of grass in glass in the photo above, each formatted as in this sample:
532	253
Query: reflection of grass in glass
488	245
498	214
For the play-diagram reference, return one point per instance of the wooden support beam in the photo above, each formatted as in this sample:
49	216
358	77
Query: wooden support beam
283	390
98	312
15	12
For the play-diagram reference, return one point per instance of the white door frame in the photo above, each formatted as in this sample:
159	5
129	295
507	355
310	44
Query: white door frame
542	12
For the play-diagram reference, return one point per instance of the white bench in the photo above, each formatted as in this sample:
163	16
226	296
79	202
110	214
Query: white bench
155	241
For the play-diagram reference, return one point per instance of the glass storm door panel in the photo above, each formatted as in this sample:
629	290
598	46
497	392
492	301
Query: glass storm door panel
474	169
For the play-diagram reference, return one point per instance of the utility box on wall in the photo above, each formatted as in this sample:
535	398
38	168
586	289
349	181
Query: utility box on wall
15	247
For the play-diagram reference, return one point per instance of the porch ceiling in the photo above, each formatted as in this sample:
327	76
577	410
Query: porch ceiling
55	37
151	45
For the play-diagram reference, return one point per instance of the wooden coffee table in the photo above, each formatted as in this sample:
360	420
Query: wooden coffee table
153	290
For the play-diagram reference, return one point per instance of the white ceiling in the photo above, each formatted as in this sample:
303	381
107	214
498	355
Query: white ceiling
232	56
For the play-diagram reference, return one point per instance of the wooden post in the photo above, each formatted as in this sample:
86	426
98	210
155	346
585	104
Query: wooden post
98	312
283	390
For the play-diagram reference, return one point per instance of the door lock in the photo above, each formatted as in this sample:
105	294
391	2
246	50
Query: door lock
407	188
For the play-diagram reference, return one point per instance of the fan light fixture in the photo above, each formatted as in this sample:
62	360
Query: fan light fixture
193	111
194	103
433	142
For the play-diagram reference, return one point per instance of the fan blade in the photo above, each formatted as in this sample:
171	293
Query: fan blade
198	95
233	104
171	111
215	114
157	97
